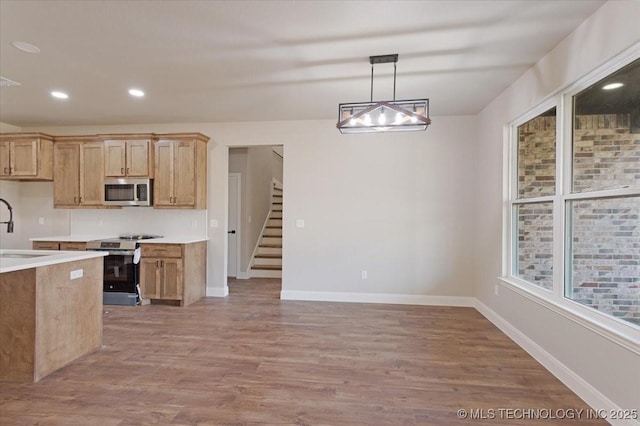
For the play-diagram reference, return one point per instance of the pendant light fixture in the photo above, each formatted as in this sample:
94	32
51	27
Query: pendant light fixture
384	116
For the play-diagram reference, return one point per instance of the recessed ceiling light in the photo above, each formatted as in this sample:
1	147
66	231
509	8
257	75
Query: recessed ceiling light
136	92
59	95
612	86
25	47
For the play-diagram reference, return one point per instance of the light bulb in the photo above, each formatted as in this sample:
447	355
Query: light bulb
352	122
382	119
398	118
367	120
414	119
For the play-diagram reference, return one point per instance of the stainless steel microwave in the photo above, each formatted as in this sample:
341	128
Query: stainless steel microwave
128	192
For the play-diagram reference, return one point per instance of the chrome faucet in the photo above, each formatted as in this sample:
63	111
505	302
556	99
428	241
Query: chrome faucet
10	222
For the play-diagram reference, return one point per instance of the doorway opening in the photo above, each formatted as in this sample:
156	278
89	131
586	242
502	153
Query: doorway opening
254	224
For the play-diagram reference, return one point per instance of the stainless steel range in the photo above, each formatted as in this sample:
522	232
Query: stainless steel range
121	273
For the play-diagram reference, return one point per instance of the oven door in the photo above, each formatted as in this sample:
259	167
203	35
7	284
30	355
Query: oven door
120	273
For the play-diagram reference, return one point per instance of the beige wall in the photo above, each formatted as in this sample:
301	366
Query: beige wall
602	368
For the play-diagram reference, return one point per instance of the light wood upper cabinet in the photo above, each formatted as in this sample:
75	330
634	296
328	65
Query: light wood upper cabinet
79	172
26	156
181	171
132	156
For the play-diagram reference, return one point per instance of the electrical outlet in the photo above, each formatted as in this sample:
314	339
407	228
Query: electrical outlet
75	274
363	275
41	220
213	223
299	223
496	290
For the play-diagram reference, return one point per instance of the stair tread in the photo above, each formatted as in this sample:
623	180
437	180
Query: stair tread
268	256
267	267
273	227
271	245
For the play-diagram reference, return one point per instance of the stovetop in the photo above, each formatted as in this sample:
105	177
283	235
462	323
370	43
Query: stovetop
132	236
123	242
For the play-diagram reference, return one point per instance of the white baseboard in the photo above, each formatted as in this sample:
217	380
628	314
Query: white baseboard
577	384
397	299
244	275
217	291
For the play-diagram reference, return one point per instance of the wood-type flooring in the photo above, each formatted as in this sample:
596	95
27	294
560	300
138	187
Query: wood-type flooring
252	359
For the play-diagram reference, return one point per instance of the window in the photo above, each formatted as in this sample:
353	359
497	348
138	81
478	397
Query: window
575	198
533	209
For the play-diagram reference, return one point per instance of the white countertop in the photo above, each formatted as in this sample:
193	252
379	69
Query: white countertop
75	238
44	258
174	240
87	237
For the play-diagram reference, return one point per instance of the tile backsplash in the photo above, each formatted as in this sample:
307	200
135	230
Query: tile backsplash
169	223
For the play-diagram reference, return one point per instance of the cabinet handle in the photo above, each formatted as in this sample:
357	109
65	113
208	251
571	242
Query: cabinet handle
127	170
75	200
122	170
79	199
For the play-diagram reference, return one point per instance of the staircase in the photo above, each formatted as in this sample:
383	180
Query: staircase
267	260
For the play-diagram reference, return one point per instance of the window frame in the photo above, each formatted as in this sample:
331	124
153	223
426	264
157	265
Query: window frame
622	332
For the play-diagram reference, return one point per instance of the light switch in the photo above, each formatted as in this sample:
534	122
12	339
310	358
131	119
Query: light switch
75	274
213	223
299	223
41	220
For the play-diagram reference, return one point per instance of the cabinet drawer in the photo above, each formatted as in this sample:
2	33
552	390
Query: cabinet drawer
73	246
161	250
45	245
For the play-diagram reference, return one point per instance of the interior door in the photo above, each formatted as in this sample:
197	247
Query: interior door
233	225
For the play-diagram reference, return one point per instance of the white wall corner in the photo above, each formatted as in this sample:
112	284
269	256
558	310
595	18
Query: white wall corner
589	394
244	275
217	291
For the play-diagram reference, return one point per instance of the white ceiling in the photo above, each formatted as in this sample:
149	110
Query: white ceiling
219	61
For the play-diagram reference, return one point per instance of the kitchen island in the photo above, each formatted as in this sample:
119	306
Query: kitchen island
50	310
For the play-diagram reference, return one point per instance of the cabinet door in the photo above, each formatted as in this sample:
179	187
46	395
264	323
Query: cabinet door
138	158
73	246
24	157
150	278
185	173
66	179
171	279
164	170
114	158
92	174
45	245
5	163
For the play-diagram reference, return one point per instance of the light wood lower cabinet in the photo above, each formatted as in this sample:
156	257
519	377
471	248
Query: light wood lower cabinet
173	272
59	245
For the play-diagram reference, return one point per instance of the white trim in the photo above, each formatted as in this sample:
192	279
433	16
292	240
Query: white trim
244	275
217	291
257	246
278	184
608	327
592	396
605	193
398	299
238	224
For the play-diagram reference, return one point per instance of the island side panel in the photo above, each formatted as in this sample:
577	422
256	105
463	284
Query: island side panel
195	272
68	313
17	325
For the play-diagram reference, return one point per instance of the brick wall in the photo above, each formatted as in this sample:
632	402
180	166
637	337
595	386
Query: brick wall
606	232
